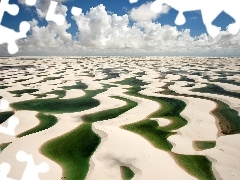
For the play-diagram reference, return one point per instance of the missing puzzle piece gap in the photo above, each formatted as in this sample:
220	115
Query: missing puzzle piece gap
4	170
51	16
31	171
4	105
10	36
30	2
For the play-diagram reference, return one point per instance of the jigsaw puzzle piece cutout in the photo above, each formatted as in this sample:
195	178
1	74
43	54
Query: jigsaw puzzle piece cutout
10	36
51	16
4	170
12	9
233	11
233	28
156	6
10	129
208	15
180	19
31	171
76	11
30	2
4	105
181	6
133	1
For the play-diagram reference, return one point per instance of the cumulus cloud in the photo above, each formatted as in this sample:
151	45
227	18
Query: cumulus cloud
52	37
42	7
101	32
99	29
144	13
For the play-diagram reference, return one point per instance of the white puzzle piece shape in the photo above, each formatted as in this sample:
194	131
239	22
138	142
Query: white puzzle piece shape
31	171
51	16
4	170
10	129
12	9
76	11
10	36
4	105
7	35
30	2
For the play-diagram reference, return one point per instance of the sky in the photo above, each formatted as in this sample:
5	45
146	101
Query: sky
118	27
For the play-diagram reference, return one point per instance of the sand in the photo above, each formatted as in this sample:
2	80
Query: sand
120	147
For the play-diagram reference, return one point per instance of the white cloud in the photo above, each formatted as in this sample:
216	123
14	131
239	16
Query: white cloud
50	38
144	12
100	32
99	29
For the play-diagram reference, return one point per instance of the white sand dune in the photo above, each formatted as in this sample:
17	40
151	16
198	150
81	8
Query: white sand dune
120	147
32	147
225	157
125	147
234	103
199	117
130	149
66	122
202	126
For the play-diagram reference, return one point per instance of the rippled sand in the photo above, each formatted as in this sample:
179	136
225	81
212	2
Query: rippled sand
119	147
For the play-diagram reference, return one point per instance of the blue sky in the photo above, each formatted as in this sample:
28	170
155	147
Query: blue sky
120	7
